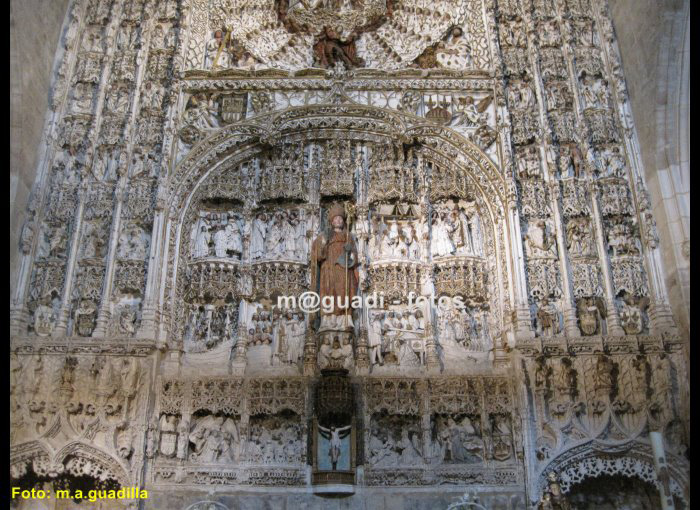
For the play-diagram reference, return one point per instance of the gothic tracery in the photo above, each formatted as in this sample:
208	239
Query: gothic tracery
203	152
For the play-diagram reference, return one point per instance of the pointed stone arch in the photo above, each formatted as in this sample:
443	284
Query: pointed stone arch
592	459
235	143
75	458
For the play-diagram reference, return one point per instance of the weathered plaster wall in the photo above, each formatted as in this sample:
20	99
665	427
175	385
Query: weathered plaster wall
653	36
35	27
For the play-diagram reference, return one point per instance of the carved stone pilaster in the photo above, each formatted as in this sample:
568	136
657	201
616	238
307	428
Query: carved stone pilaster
432	359
19	319
310	364
361	353
239	361
661	318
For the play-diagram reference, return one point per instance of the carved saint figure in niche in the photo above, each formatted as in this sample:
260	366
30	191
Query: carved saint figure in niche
334	265
85	317
441	243
590	311
44	317
127	321
291	335
324	352
578	237
547	318
201	247
631	318
565	379
217	49
374	338
334	435
571	161
603	373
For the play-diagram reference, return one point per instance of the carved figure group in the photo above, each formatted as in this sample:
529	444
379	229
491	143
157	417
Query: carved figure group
397	337
336	353
217	235
275	439
463	328
396	240
455	232
208	325
279	234
214	439
291	332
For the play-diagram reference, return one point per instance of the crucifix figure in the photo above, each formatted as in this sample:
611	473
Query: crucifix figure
334	435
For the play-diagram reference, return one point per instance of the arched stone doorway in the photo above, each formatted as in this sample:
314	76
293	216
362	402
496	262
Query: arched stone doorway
616	492
75	477
617	474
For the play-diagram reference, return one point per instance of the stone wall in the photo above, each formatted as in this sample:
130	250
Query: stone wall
186	184
35	26
653	40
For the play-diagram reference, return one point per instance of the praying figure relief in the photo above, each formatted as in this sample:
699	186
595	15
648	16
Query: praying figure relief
395	441
457	440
